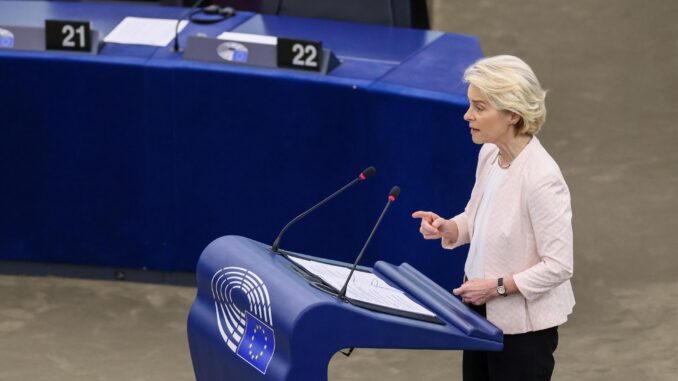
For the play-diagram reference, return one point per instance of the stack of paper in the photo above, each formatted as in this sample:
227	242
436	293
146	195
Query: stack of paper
145	31
363	286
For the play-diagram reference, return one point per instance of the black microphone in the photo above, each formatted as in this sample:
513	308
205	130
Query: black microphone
395	192
185	15
364	175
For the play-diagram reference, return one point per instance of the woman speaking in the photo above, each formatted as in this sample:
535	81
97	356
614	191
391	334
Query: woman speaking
518	224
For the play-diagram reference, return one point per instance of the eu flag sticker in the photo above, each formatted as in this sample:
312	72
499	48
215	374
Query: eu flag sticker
258	343
6	38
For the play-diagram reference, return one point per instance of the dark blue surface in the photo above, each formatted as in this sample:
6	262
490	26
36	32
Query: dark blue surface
346	39
136	157
437	69
310	325
74	189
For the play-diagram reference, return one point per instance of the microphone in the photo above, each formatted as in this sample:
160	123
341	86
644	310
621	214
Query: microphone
176	29
364	175
395	192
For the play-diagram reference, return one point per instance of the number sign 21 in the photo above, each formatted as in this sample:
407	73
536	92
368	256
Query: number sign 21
73	36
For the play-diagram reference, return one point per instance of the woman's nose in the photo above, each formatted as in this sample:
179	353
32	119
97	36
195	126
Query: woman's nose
467	115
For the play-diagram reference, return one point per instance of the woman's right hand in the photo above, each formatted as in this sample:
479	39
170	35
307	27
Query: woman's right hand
435	227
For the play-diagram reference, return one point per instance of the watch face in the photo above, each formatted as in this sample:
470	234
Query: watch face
502	290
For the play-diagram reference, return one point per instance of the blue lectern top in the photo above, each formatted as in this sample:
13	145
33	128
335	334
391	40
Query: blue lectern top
256	317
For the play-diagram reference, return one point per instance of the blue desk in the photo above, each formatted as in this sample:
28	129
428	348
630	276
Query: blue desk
138	158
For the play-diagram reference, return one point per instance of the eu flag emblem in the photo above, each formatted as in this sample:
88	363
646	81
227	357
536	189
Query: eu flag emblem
257	344
6	38
239	56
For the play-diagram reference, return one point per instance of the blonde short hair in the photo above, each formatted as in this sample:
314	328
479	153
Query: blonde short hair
510	84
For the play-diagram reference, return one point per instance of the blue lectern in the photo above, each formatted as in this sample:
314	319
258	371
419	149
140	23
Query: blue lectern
258	317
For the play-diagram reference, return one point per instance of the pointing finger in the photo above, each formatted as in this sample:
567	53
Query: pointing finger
421	214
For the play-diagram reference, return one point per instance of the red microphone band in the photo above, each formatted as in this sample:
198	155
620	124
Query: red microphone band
392	198
362	177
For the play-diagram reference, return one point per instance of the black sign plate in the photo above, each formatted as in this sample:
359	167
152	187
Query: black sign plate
299	54
74	36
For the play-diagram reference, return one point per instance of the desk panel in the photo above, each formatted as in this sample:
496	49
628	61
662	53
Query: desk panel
72	149
138	158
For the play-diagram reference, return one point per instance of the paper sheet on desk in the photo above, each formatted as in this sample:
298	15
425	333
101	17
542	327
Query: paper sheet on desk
364	286
144	31
247	37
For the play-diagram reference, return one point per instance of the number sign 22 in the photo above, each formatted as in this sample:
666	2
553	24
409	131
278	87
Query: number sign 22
68	35
299	54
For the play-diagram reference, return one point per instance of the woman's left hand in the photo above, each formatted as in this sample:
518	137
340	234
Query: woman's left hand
477	291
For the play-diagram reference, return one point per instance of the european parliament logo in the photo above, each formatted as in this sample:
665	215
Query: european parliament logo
6	39
243	312
233	52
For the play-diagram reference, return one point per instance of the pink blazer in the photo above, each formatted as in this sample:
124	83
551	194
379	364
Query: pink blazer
529	236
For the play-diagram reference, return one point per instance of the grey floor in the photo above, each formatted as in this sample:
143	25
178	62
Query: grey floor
612	69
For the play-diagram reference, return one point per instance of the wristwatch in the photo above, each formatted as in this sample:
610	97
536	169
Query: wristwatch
500	287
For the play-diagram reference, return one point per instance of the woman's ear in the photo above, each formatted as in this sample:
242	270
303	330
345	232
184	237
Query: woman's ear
514	119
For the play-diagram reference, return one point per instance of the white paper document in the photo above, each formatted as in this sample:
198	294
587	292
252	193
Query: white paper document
248	37
363	286
144	31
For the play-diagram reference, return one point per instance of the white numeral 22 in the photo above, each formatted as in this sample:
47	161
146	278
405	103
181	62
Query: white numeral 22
299	50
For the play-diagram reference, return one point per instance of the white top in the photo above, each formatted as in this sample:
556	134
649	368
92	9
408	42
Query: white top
475	262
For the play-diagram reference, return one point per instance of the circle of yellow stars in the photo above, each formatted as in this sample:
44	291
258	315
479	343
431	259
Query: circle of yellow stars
254	355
